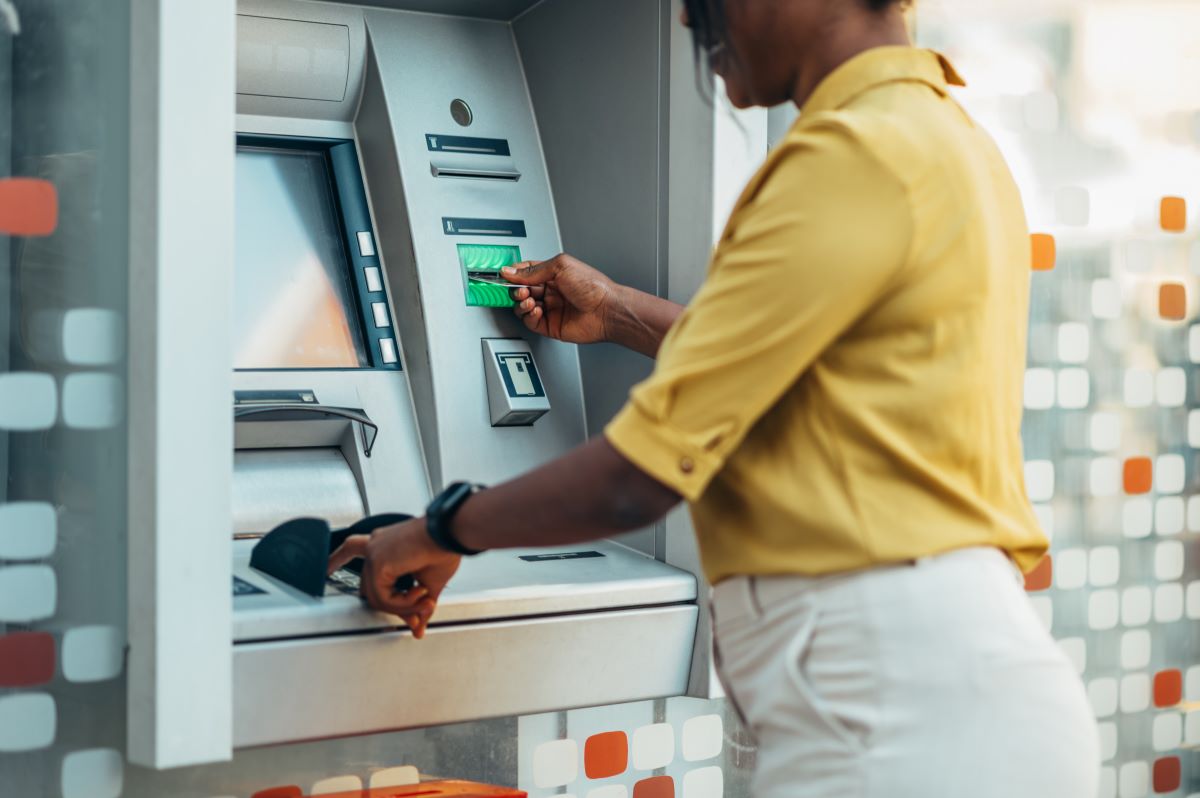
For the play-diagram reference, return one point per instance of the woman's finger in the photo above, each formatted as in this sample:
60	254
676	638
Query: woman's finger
354	548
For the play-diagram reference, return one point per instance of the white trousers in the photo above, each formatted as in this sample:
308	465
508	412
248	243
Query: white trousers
926	680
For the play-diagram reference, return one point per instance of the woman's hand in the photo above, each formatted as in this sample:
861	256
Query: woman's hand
563	298
393	552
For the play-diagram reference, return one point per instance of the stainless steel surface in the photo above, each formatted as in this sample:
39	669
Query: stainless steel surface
374	279
271	486
292	59
483	9
387	347
492	586
363	683
366	244
476	61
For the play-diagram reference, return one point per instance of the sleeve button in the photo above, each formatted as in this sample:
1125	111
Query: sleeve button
686	465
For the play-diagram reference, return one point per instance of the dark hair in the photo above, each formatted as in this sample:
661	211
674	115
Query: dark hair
707	20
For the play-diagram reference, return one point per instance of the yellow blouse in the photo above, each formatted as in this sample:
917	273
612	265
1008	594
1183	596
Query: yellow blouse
845	390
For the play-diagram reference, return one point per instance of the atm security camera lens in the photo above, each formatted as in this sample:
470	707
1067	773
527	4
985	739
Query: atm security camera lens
461	112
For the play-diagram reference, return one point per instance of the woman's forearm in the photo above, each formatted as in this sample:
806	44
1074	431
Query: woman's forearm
639	321
591	492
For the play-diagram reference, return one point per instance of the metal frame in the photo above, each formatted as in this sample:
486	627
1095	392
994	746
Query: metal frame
350	199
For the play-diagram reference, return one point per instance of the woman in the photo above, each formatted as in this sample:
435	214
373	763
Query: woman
840	404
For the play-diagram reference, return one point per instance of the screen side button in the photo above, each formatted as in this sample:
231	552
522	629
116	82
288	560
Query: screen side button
374	279
366	244
380	313
387	347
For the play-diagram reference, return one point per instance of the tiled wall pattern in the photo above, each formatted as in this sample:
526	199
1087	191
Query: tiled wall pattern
1107	154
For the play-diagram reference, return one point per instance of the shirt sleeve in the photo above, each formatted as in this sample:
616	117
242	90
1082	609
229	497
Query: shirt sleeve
820	241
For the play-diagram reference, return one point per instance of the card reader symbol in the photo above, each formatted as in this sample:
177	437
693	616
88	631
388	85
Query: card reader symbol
519	376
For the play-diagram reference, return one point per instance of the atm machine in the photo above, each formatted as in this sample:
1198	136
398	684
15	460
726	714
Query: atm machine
388	165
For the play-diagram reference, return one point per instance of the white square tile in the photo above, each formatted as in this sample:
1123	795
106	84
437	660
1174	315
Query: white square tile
336	784
1076	650
1137	517
1168	603
92	337
1074	389
1138	256
403	776
1102	693
653	747
27	593
1133	780
28	530
1135	693
1039	389
1104	476
704	783
1074	342
1193	514
1191	728
1104	566
1169	473
1135	649
93	401
92	653
1191	684
1167	732
98	773
1039	480
1108	740
610	791
1194	343
1194	429
28	401
1139	388
1169	515
1073	206
1137	603
555	764
1168	561
1105	432
702	738
1171	387
1107	302
1070	569
1103	609
28	722
1192	601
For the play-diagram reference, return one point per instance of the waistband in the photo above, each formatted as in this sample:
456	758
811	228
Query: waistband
746	595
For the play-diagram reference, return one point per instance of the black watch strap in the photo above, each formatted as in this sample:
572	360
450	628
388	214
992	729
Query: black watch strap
441	512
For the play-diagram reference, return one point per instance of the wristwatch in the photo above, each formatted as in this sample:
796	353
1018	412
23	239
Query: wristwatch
441	512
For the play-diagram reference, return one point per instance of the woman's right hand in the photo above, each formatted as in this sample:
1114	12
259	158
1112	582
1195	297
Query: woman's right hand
563	298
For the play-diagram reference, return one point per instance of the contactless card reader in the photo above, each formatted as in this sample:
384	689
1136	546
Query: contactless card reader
516	395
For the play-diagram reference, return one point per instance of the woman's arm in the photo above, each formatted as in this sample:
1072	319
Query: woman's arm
566	299
591	492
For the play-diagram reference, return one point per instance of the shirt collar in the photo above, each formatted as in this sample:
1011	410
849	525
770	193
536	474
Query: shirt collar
881	65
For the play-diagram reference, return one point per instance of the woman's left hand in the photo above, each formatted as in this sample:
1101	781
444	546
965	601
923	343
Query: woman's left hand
393	552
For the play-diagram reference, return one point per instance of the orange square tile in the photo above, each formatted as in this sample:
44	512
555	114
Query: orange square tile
1172	301
657	787
28	207
279	792
1045	252
1042	575
606	755
1139	475
1173	214
1168	688
1168	774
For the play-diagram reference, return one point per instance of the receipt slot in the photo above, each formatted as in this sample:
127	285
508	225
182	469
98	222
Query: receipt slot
516	396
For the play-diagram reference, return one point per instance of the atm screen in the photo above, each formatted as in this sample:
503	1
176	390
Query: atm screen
294	307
